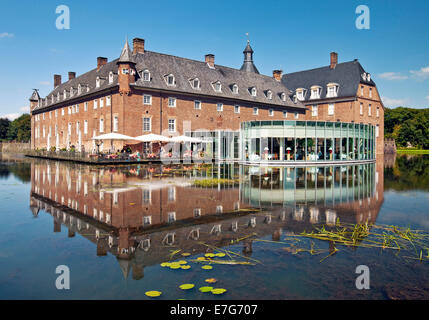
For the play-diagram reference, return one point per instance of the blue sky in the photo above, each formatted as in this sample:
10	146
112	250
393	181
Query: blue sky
290	35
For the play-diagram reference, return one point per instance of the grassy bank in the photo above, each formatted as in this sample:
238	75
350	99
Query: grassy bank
412	151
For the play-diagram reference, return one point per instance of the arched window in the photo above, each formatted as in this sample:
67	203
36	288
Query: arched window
195	83
253	91
234	89
269	94
283	96
217	86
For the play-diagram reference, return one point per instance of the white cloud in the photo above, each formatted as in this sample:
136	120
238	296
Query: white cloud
427	97
25	109
44	83
423	73
389	102
11	116
392	76
6	35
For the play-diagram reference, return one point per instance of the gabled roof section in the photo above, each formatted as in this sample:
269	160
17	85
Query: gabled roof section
126	54
348	75
35	96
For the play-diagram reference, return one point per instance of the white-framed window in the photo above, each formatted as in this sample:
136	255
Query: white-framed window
146	75
73	109
331	109
315	92
101	102
236	109
369	110
147	220
361	90
171	125
197	212
58	96
79	89
85	106
253	91
85	127
108	100
44	131
77	127
217	86
370	92
147	99
300	94
101	125
170	80
271	112
197	105
255	110
110	77
95	104
172	102
171	193
235	89
377	112
314	110
332	90
377	131
97	82
361	108
283	96
70	110
56	113
219	107
147	124
62	111
69	129
125	71
195	83
64	94
171	217
219	209
147	196
269	94
285	114
115	123
296	115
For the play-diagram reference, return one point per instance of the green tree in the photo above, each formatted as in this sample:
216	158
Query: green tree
20	129
4	127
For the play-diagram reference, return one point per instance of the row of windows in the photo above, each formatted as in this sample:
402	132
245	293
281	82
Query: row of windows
195	83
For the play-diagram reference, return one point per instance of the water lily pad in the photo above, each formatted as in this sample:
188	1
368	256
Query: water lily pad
207	267
165	264
220	254
211	280
185	267
187	286
218	291
206	289
186	254
201	258
210	255
175	266
182	262
153	294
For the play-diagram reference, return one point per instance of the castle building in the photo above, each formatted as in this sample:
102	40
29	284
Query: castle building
242	114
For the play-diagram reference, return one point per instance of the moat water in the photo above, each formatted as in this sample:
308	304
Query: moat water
113	227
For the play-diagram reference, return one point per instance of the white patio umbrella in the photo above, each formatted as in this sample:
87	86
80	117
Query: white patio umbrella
113	136
151	137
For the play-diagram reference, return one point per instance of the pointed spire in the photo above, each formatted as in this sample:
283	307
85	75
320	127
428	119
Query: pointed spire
125	267
35	96
248	65
126	54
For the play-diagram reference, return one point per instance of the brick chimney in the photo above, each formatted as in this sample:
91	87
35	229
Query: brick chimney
210	58
138	45
334	60
101	61
72	75
57	80
277	74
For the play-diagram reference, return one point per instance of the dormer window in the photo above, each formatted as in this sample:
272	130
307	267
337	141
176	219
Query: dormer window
110	77
315	92
283	96
217	86
234	89
64	94
332	90
269	94
169	79
79	89
97	82
87	88
368	77
58	96
300	94
253	91
71	92
146	75
195	83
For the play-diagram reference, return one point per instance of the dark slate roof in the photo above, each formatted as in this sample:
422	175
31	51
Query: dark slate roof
126	54
86	80
347	75
35	96
248	64
160	65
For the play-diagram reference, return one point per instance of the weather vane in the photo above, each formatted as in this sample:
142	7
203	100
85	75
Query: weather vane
247	36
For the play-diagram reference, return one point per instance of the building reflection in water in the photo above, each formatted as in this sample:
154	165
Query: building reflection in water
141	213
